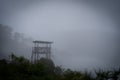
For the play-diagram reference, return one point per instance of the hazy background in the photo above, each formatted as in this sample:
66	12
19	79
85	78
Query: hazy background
86	33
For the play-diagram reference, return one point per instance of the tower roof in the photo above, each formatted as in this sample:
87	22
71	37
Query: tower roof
46	42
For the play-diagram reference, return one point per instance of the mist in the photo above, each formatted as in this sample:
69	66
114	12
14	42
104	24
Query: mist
86	34
13	43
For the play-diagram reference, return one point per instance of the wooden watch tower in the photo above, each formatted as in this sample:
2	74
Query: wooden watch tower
41	49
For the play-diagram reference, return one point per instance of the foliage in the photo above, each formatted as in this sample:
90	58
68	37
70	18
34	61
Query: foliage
19	68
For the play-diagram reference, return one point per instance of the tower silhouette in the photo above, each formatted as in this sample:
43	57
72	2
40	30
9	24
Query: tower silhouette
41	49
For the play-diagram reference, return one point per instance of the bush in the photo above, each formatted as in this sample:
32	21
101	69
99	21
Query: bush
19	68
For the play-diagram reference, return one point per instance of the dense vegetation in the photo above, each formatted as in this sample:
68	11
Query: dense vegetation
19	68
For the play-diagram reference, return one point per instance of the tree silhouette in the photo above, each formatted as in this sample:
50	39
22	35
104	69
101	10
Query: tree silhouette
19	68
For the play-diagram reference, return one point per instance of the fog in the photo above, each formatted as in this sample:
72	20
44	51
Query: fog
86	34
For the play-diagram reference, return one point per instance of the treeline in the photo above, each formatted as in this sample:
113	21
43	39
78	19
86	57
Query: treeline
19	68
